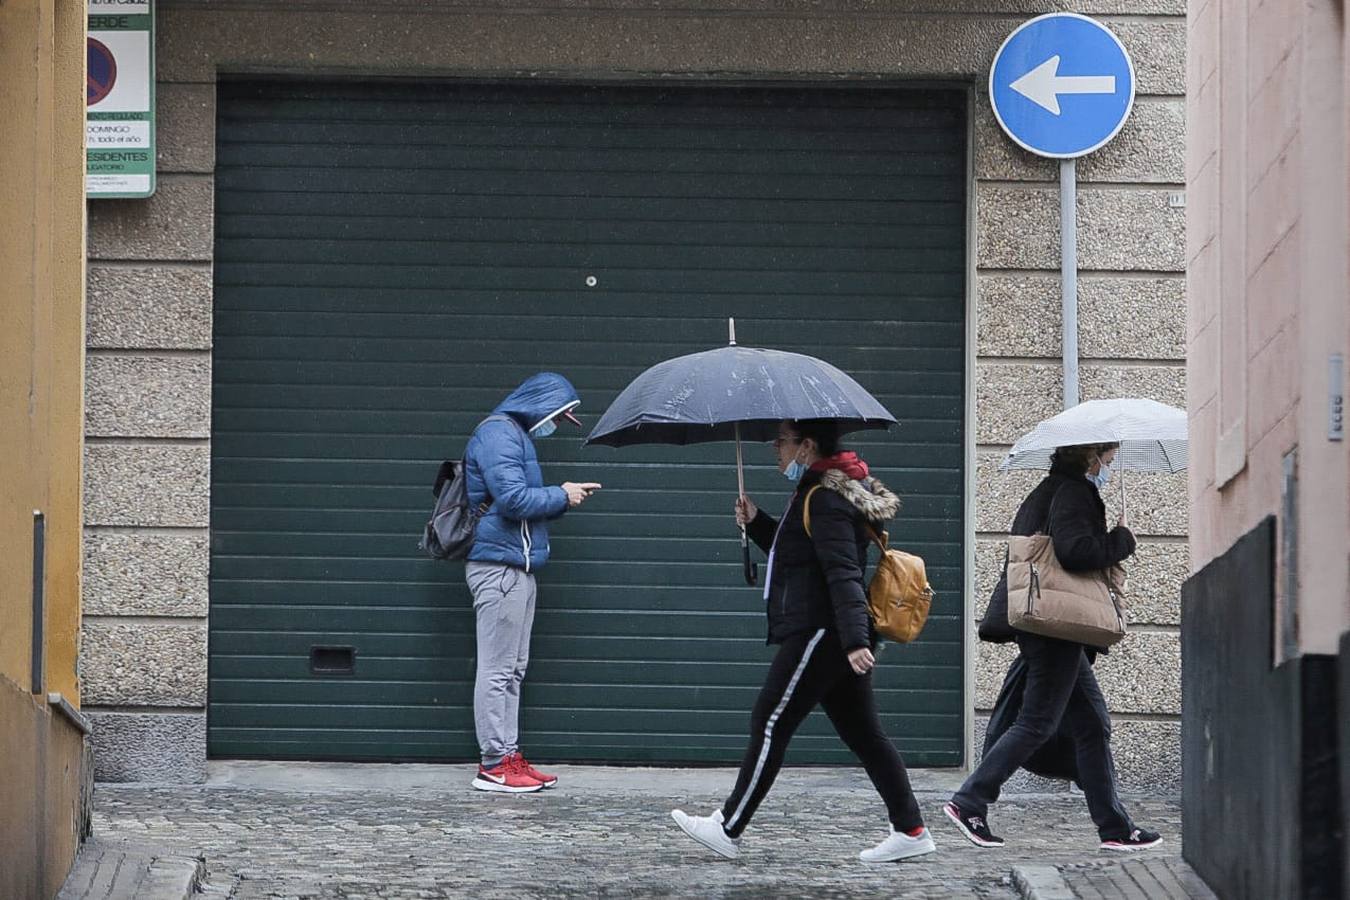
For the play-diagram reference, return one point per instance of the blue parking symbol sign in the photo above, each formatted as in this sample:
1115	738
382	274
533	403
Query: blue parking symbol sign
1062	85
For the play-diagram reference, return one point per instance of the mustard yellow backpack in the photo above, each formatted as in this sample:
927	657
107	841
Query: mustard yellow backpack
899	596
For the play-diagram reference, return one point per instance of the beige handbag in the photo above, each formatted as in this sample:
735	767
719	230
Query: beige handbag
1045	599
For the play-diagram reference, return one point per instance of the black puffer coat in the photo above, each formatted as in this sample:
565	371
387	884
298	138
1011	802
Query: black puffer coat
817	581
1070	509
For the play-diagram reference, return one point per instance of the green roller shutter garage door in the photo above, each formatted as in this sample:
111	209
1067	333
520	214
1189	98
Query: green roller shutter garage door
392	259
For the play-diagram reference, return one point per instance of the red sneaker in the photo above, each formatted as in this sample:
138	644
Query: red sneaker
546	780
507	777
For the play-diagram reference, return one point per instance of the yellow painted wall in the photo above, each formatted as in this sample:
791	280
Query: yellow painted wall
42	228
65	445
44	795
41	326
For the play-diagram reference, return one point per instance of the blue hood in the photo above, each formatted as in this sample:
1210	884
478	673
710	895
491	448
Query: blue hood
537	398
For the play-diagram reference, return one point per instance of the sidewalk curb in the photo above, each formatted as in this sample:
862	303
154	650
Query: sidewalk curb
1151	877
173	877
1041	883
111	872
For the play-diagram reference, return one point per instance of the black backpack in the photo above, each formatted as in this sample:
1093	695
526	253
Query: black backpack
449	532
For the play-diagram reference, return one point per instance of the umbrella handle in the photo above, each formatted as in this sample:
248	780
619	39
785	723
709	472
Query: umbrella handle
750	569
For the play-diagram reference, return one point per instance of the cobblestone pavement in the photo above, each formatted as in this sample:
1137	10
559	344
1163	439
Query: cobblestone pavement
343	831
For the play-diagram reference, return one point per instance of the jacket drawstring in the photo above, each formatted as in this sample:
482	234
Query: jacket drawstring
526	542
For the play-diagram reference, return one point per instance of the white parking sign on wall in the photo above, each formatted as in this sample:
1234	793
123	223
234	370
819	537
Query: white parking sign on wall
120	92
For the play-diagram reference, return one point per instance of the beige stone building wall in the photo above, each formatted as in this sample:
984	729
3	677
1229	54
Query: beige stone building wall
148	420
1267	248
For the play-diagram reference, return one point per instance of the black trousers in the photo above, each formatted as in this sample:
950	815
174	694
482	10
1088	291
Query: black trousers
1060	686
809	670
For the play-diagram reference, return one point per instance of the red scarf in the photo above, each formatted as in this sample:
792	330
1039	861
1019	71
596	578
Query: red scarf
847	462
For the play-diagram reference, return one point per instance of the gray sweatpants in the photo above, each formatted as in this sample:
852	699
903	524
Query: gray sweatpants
503	603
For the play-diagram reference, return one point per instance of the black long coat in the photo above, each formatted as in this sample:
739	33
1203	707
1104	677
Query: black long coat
1057	757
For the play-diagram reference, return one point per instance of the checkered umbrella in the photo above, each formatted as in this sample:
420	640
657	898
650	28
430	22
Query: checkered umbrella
1152	435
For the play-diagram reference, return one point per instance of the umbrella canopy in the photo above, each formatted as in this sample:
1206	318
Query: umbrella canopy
733	393
712	395
1152	435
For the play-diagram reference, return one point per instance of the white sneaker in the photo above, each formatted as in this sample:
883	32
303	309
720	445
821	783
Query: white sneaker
899	846
707	830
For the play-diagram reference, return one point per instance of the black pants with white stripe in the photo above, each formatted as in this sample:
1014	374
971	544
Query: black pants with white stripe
812	669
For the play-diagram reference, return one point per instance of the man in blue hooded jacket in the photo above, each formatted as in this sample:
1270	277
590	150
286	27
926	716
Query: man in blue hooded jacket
510	545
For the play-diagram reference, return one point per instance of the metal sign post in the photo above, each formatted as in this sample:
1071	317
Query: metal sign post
1062	86
1068	276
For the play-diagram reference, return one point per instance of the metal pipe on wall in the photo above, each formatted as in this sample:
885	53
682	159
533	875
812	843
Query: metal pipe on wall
39	600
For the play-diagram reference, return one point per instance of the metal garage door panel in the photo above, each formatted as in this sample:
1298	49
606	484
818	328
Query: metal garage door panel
392	259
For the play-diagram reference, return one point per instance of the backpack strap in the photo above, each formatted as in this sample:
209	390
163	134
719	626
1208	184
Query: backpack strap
880	538
806	509
498	417
483	507
445	473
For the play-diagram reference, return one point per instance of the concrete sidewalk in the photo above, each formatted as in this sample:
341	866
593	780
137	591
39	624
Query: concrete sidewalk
270	830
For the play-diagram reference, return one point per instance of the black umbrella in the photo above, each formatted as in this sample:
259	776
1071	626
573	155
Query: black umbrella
732	393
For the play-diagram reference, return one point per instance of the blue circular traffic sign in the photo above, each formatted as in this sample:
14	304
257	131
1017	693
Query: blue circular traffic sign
101	74
1062	85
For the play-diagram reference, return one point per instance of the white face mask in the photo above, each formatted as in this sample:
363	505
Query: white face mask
1102	477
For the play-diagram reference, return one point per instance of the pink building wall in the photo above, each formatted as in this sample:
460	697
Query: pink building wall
1267	250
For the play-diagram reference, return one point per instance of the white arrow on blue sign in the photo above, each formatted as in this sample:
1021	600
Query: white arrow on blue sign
1062	85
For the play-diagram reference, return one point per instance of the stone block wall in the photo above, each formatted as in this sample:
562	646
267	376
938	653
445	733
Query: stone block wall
147	458
148	424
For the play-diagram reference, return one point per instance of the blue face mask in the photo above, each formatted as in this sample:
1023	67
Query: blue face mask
794	471
544	429
1102	477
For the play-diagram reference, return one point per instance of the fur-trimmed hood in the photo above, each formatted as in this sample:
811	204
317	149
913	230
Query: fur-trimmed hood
871	498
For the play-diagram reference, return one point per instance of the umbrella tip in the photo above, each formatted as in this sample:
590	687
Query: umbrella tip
731	331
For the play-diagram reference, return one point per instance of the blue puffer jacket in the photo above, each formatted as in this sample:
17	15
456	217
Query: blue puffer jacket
501	465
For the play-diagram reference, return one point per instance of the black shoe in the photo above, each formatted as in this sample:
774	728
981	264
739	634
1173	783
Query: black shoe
1139	839
975	828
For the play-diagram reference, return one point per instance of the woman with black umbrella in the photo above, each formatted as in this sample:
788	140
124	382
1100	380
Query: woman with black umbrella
817	609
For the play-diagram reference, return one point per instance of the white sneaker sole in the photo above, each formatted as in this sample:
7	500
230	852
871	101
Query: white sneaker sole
480	784
920	849
680	817
1129	848
970	835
